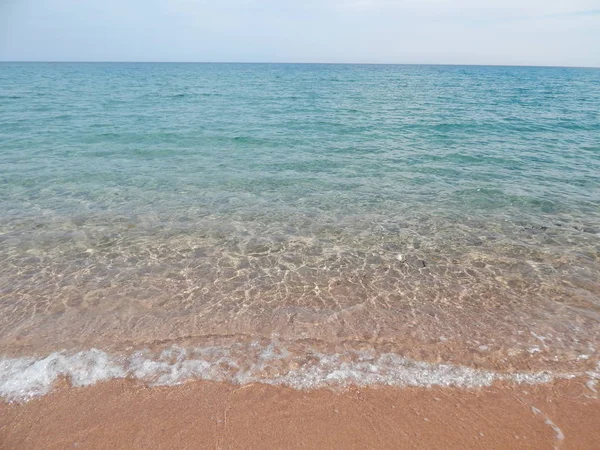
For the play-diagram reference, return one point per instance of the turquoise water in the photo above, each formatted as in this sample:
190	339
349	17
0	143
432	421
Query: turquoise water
434	212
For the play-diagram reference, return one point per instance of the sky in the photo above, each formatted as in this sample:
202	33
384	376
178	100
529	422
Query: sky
511	32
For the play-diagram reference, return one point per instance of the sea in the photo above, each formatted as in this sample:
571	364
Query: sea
303	225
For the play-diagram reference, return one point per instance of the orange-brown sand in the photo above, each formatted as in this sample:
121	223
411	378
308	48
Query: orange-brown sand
198	415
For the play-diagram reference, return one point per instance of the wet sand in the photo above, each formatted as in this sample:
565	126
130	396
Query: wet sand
197	415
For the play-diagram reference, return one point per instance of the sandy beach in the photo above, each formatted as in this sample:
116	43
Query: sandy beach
207	415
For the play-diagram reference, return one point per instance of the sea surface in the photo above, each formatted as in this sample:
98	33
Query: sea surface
306	225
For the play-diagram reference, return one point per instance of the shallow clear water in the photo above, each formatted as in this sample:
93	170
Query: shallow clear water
444	214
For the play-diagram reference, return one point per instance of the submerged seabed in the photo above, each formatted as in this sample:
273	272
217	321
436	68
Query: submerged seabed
373	222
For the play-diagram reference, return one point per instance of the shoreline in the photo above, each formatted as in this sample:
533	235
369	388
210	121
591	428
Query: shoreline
276	364
203	414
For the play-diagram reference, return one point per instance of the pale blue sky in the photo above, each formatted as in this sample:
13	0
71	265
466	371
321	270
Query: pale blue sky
529	32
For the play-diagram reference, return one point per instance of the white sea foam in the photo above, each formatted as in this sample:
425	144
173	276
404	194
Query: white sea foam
24	378
558	433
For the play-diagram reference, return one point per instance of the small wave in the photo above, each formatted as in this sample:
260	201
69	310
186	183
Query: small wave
24	378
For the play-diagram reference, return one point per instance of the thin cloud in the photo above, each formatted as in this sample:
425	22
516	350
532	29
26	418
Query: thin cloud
397	31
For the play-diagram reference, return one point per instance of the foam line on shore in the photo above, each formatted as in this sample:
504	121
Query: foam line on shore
24	378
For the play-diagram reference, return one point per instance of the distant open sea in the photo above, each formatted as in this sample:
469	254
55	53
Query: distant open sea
303	225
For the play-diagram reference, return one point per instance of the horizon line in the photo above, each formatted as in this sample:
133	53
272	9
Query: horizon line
557	66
